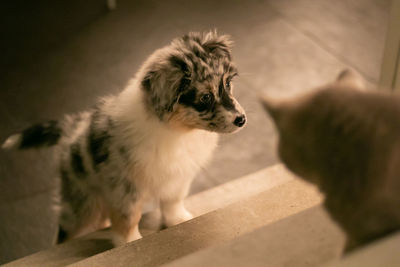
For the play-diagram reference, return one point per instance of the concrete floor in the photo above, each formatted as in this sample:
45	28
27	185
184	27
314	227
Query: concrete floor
281	47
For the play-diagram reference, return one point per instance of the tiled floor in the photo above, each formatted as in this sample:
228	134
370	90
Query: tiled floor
282	47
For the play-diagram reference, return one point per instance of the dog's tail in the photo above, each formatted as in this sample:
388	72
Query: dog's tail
35	136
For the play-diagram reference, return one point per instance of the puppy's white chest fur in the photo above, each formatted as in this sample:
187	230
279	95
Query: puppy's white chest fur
163	158
168	159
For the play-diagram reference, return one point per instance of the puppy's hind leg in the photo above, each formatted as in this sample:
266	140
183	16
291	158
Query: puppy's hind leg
77	223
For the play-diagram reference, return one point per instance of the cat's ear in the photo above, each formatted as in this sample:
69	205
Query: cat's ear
350	78
272	106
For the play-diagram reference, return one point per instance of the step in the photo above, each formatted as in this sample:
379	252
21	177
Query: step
213	228
199	204
308	238
246	186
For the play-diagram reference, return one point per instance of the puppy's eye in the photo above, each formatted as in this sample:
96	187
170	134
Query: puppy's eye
228	85
206	98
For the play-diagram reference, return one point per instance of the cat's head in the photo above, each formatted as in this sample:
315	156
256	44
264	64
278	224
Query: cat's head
311	124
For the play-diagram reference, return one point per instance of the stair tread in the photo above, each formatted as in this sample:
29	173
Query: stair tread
228	193
308	238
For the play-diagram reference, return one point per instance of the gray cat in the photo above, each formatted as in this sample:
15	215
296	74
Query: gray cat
347	142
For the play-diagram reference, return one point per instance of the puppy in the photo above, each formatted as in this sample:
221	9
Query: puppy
346	141
147	143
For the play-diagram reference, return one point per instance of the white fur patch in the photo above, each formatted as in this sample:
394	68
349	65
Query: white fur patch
166	159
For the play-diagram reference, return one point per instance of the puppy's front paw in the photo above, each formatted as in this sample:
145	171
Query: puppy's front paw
119	240
177	217
151	220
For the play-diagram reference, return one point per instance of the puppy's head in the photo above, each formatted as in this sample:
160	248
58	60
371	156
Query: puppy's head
189	84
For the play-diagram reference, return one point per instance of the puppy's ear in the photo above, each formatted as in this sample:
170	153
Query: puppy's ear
219	45
162	84
352	79
148	81
180	64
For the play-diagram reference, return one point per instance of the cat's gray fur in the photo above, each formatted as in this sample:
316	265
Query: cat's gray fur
347	142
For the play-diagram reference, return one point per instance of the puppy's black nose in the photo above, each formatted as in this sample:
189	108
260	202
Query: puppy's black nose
240	120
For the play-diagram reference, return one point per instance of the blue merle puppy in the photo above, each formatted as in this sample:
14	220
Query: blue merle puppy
145	144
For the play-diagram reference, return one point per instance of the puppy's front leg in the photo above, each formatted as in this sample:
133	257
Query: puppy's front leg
125	224
172	206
